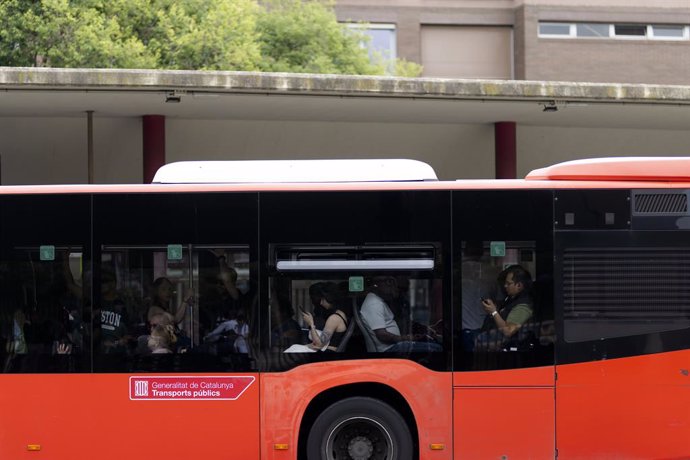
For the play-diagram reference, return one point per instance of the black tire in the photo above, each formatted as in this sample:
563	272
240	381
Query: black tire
359	428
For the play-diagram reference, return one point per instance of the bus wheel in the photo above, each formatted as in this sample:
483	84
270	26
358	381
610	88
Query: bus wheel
361	429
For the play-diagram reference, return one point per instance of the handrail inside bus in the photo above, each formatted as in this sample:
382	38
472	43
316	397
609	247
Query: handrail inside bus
293	171
400	264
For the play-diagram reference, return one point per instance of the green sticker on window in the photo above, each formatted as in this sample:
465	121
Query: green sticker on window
356	283
174	252
498	248
47	252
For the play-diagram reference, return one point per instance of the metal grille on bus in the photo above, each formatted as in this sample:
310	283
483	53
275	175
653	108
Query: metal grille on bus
656	203
610	292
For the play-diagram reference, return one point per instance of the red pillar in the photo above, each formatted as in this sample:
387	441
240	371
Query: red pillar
506	150
153	130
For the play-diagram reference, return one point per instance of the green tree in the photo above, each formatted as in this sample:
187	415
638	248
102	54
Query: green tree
305	36
203	34
280	35
63	33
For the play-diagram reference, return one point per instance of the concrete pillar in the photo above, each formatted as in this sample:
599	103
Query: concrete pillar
505	150
89	144
153	130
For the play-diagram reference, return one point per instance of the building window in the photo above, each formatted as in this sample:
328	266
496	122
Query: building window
666	32
593	30
630	30
381	43
554	29
614	31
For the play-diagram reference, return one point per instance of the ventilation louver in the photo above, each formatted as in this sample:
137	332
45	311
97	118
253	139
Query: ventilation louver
660	203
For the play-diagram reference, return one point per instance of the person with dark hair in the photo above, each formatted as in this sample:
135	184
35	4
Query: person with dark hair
315	296
517	308
161	301
113	316
336	320
379	320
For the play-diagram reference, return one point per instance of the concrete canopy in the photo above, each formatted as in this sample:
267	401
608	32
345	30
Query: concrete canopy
264	97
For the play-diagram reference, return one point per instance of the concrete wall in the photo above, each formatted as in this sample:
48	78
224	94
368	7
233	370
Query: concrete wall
586	60
53	150
664	62
455	151
540	146
410	15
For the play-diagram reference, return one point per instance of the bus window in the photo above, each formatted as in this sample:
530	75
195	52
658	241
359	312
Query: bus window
45	273
356	299
502	298
186	300
43	309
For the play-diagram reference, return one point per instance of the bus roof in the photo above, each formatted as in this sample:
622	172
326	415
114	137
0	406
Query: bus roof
293	171
617	169
613	173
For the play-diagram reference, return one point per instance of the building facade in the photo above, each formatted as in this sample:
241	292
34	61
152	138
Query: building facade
624	41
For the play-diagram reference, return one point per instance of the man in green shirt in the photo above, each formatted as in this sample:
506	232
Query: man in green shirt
517	308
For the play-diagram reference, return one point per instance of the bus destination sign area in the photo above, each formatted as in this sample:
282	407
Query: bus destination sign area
150	388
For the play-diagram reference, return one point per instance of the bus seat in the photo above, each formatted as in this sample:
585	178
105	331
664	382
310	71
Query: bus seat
366	332
346	337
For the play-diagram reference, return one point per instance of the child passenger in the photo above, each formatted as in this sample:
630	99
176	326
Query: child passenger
162	339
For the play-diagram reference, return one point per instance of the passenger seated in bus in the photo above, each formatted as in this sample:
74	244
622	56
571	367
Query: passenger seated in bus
336	320
162	339
285	331
516	309
164	320
316	295
161	300
380	320
234	332
221	295
16	337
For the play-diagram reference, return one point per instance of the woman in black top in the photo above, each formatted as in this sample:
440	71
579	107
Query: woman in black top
336	320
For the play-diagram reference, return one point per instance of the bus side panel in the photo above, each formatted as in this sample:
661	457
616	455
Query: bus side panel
286	395
506	413
496	422
632	408
91	416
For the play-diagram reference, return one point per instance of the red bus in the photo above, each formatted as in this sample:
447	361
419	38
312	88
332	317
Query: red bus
384	316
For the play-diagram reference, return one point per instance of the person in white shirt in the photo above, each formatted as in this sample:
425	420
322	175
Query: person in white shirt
379	318
237	328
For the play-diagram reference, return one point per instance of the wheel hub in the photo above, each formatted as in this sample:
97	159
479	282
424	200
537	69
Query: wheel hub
360	448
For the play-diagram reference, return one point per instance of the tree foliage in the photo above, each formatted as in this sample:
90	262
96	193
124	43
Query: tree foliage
281	35
60	33
299	36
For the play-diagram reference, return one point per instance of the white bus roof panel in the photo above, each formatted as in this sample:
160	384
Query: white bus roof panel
293	171
617	169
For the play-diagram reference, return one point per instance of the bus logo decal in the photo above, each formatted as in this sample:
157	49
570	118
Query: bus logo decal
141	388
150	388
